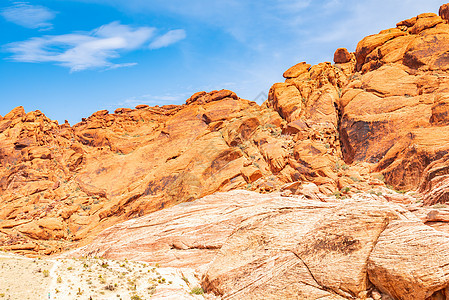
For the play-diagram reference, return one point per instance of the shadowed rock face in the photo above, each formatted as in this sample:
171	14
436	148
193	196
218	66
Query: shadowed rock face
246	245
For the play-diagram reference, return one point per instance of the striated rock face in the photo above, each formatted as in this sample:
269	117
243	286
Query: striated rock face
377	117
246	245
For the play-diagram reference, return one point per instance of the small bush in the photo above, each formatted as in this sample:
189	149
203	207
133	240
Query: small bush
337	195
46	273
381	177
346	189
355	179
197	291
439	205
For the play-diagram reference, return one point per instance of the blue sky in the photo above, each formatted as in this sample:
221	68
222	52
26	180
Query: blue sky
70	58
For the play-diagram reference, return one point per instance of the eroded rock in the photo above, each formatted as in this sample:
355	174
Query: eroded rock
246	245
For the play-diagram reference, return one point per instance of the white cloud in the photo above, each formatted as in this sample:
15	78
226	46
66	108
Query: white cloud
168	39
149	99
80	51
29	16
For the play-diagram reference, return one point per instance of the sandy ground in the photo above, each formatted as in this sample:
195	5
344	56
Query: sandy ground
24	278
92	278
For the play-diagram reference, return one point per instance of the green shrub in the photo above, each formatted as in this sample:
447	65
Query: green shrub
197	291
346	189
439	205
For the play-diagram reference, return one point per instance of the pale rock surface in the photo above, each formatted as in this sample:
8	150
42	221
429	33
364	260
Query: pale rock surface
245	245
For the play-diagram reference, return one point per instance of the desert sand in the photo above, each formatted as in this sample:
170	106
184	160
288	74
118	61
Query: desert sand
92	278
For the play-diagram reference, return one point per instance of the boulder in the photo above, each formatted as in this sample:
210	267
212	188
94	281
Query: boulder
444	12
297	70
342	56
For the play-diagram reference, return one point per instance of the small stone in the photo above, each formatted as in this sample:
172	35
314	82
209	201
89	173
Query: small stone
376	295
286	193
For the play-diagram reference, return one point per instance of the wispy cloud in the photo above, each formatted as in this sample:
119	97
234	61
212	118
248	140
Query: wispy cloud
171	37
153	100
29	16
87	50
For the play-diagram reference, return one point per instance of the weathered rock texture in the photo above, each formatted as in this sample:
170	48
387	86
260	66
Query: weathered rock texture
385	105
61	183
377	116
247	245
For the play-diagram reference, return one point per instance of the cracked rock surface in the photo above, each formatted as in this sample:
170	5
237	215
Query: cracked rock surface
246	245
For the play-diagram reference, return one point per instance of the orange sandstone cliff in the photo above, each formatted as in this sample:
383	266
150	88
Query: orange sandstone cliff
377	117
374	123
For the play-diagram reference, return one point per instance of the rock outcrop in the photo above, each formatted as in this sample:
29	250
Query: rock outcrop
345	167
374	120
60	183
246	245
384	105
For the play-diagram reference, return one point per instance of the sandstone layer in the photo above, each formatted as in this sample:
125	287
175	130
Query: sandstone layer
376	119
247	245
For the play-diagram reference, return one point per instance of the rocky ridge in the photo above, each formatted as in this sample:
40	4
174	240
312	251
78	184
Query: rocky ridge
345	167
330	131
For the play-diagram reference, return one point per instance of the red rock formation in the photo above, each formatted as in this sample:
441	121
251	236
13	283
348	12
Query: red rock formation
379	114
398	73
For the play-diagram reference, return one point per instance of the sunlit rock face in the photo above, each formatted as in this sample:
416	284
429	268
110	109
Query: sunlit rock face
374	121
247	245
